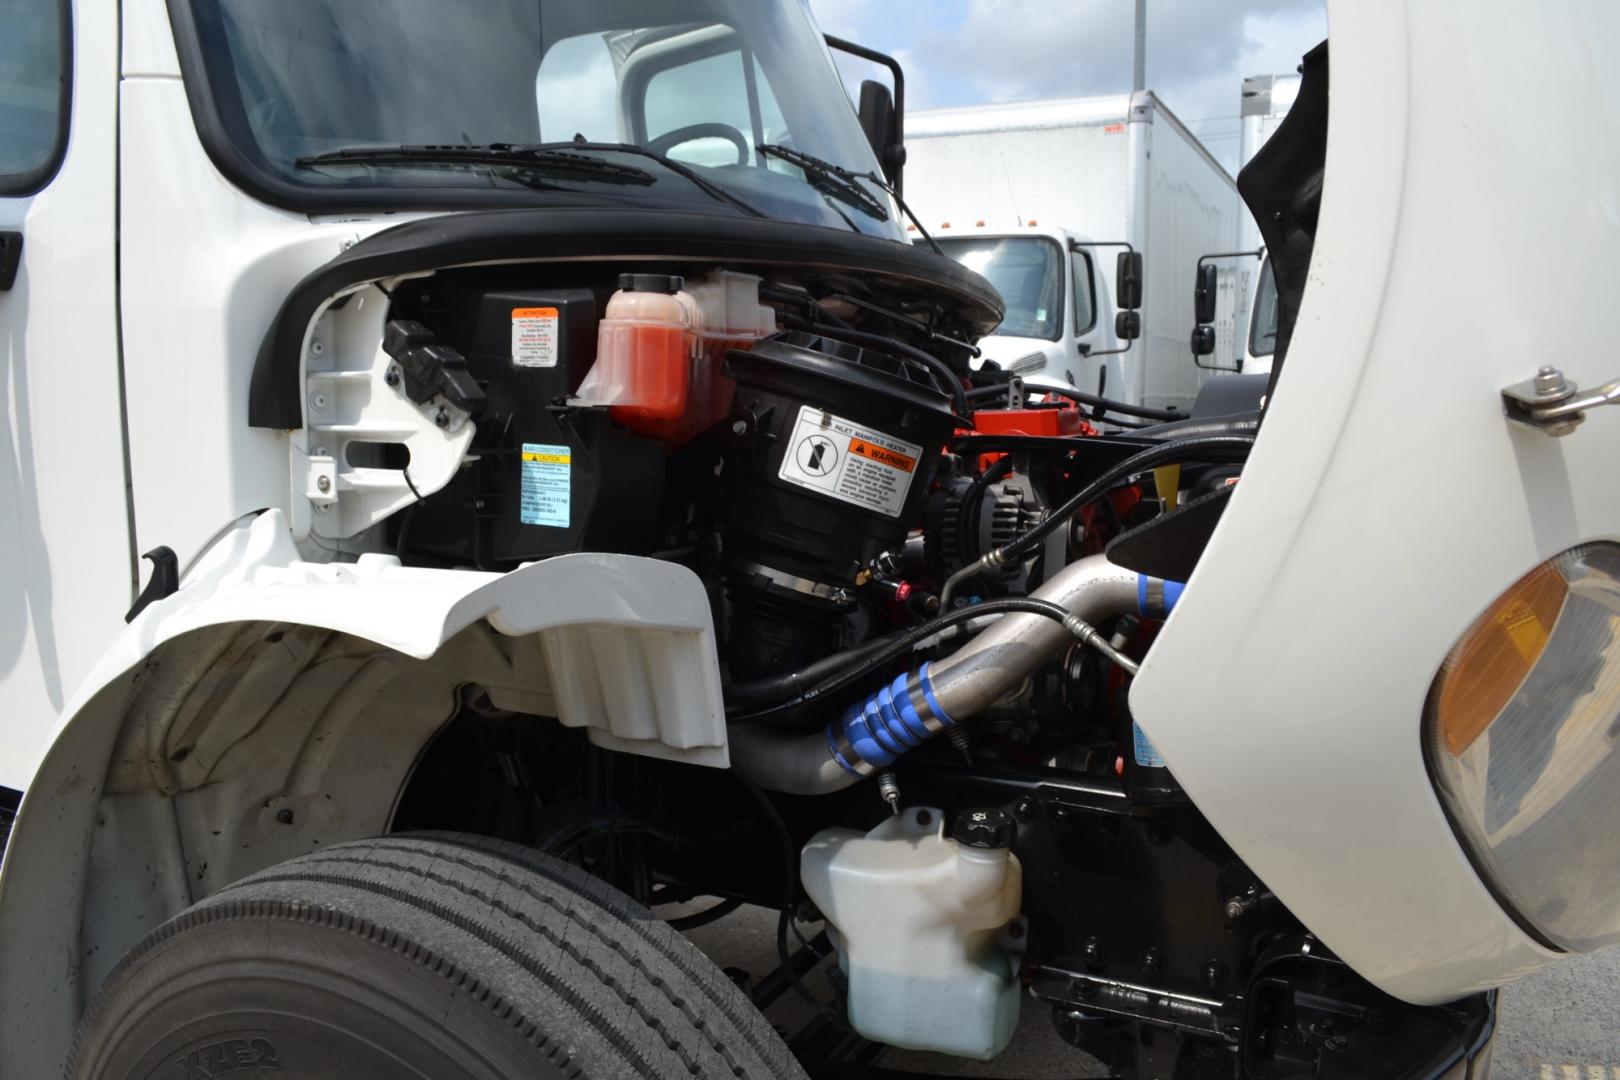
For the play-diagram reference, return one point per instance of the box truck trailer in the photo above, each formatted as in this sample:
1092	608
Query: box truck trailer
1042	196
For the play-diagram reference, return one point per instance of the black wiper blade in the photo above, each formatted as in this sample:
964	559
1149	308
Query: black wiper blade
686	172
830	179
549	161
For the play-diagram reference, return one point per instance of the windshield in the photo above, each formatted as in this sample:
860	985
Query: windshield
1263	330
1027	271
705	83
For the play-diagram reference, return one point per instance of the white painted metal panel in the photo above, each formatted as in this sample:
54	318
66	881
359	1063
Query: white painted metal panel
65	550
1388	501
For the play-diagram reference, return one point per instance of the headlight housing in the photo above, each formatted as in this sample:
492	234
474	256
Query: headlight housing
1521	730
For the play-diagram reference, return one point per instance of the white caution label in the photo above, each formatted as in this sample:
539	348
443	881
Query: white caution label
534	337
849	462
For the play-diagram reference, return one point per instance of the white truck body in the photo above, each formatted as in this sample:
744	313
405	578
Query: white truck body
1104	170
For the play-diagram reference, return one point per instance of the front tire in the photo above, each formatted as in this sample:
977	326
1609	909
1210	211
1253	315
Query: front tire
433	956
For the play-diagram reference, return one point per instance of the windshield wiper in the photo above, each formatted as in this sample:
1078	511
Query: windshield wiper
563	161
834	173
708	187
558	164
832	180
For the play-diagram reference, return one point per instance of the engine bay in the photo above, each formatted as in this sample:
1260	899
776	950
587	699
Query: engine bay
930	587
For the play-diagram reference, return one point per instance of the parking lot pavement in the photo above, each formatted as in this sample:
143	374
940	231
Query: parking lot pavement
1562	1024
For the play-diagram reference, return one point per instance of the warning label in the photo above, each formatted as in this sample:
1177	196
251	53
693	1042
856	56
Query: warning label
544	495
849	462
534	337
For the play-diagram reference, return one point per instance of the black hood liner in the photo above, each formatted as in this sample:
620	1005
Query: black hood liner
275	398
1283	186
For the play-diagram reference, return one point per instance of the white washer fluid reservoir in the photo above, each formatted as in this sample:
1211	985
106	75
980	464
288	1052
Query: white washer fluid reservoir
915	918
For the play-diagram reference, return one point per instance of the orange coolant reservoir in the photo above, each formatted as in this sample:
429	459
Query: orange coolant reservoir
661	346
645	345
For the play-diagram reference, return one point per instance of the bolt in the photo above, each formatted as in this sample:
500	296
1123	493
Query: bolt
1236	908
317	347
1337	1042
1549	381
442	418
1153	961
739	427
1025	810
318	400
889	789
391	376
284	816
323	484
961	742
1092	951
1214	974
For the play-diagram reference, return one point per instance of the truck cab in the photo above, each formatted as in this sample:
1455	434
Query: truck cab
1059	327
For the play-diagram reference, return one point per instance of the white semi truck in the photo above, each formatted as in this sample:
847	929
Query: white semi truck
1043	196
572	515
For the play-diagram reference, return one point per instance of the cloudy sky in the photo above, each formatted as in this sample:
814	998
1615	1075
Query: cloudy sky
969	52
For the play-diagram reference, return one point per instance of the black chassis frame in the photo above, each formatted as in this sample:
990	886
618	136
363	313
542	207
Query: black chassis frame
1159	953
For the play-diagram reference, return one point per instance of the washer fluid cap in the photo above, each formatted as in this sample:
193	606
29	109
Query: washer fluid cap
985	827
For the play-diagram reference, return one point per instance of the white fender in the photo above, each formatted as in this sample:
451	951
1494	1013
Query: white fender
271	704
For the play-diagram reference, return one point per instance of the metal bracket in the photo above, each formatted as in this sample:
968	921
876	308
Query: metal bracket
1552	403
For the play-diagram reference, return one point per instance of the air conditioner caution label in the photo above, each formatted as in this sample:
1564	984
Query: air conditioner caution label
546	485
534	337
849	462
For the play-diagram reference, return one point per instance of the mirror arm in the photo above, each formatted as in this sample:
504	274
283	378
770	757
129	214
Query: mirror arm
894	158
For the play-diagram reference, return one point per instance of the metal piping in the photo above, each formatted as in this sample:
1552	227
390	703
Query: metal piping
921	703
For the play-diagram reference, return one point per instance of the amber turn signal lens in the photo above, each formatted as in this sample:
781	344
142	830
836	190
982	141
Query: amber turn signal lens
1491	661
1523	741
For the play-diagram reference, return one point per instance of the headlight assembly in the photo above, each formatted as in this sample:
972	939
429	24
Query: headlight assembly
1520	731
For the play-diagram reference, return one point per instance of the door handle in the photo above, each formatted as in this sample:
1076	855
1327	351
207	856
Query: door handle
1554	404
10	258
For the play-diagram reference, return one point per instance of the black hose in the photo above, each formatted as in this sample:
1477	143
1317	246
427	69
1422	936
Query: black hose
1205	448
949	380
775	687
708	915
900	645
1108	404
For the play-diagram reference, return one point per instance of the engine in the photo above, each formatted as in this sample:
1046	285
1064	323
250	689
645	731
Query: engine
931	587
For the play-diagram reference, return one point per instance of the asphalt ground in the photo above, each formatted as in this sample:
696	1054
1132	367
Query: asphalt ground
1560	1024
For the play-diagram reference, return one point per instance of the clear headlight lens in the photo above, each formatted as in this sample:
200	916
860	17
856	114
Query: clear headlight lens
1521	734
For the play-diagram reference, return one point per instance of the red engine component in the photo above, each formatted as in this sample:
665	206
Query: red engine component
1067	420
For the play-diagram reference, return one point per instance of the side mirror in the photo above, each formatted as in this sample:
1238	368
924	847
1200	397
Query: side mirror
1203	340
882	114
1128	281
877	121
1128	325
1204	295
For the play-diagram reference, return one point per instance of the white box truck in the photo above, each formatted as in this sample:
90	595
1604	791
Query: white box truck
1034	192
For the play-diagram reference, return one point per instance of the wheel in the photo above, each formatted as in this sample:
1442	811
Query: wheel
432	956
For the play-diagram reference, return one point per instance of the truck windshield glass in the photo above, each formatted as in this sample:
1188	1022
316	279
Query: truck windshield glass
1026	270
1263	330
703	82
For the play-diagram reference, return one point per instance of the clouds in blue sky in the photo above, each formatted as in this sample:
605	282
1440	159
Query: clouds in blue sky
966	52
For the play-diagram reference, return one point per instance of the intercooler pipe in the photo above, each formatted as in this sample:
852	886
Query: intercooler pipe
870	735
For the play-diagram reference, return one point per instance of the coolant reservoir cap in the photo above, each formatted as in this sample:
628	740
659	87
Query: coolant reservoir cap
658	283
985	827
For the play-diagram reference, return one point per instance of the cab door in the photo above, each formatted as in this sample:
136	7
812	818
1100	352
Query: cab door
65	544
